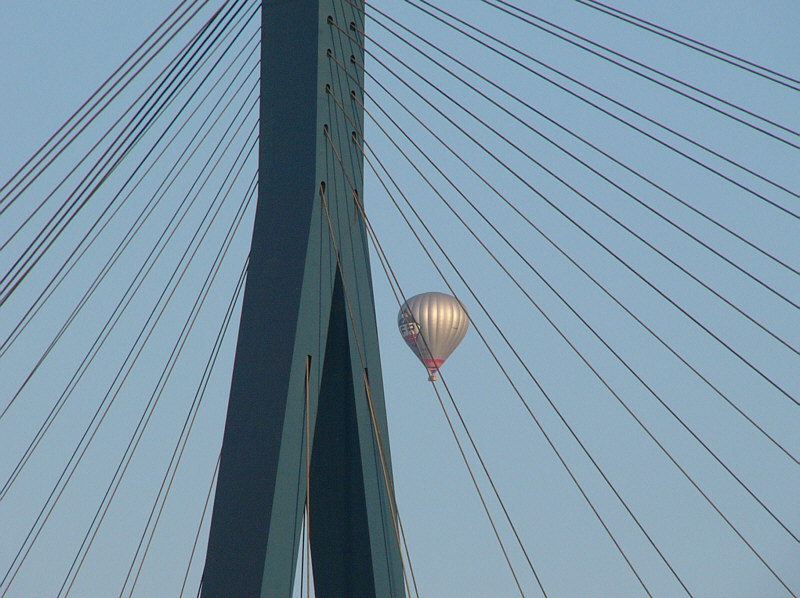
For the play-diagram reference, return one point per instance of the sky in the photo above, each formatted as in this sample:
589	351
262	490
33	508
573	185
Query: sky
55	56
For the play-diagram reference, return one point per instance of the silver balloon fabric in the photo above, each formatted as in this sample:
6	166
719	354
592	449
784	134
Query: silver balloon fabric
432	324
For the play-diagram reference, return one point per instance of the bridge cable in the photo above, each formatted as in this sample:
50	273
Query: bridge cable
164	292
517	252
400	297
307	501
577	315
608	531
55	232
381	257
589	144
161	79
744	486
188	423
200	528
387	480
533	225
436	266
693	44
637	419
20	326
184	435
597	241
376	431
533	23
616	117
90	355
97	180
119	309
533	416
53	284
88	112
567	184
94	350
503	370
591	329
557	247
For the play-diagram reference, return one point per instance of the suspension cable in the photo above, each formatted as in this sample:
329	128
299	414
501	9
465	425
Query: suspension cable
117	313
560	250
352	96
52	285
499	364
574	94
497	361
177	455
491	521
571	187
744	540
387	269
129	369
77	200
587	325
162	76
594	147
200	528
188	424
62	274
100	99
125	300
502	3
577	225
694	44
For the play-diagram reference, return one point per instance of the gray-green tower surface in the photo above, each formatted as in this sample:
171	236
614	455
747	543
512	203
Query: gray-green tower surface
305	317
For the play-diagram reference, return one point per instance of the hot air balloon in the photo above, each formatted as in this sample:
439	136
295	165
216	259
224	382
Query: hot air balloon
432	324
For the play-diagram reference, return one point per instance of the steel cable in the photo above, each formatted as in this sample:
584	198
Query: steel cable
400	297
384	264
571	187
594	147
477	330
376	430
199	529
170	65
53	285
591	329
188	424
119	386
611	390
108	79
144	420
686	41
577	225
733	528
571	259
619	119
651	69
119	309
103	335
123	303
499	364
97	180
622	501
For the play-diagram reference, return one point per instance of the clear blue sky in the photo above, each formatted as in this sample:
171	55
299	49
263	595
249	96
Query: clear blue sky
54	56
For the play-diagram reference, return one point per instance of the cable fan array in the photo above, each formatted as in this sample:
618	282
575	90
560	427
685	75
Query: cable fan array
145	217
611	198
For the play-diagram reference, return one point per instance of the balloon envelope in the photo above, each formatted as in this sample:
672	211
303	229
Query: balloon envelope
432	324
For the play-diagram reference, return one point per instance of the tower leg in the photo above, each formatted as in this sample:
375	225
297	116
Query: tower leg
307	341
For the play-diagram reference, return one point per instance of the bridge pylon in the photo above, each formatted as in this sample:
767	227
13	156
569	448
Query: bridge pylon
306	416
